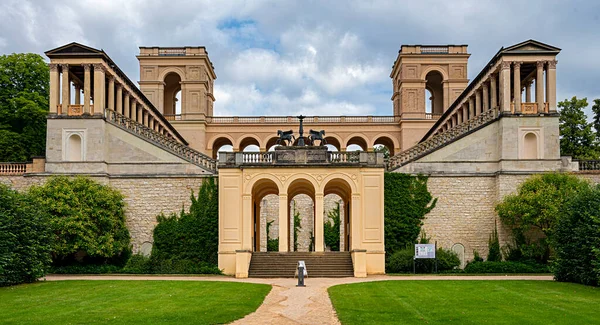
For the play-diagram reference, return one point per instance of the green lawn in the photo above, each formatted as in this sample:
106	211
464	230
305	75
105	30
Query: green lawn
129	302
466	302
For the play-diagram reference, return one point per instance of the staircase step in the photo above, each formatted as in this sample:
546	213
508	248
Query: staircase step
283	265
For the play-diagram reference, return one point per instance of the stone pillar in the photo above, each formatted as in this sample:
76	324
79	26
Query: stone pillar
111	93
126	101
539	86
146	119
99	89
247	225
459	115
87	89
478	110
140	114
493	87
133	109
465	111
54	88
528	92
283	222
66	89
319	232
505	86
551	86
471	107
446	101
356	223
517	86
486	97
119	99
77	95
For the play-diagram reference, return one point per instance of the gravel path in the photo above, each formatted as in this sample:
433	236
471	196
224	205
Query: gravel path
288	304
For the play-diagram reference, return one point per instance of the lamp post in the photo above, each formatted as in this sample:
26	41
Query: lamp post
301	131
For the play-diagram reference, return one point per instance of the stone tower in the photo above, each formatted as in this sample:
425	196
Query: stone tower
165	71
434	73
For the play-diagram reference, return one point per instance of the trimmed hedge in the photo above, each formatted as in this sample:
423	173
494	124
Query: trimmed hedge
402	261
139	264
505	267
24	239
577	240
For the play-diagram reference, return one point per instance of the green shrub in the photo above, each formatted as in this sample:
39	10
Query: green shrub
87	219
406	203
272	244
402	261
505	267
577	239
24	239
297	226
533	212
139	264
494	254
331	229
85	269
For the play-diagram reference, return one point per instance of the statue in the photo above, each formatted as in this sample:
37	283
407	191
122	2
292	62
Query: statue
301	131
317	135
287	137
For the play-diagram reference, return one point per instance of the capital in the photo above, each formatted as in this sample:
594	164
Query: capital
540	64
53	67
517	64
99	67
485	86
64	67
505	65
86	67
111	78
552	64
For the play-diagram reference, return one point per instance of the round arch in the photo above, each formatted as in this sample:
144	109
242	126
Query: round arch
177	70
261	187
217	142
388	141
270	141
357	139
306	177
247	140
260	177
335	141
434	68
341	186
172	86
344	177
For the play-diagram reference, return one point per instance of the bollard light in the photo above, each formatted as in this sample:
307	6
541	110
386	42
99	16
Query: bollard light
300	276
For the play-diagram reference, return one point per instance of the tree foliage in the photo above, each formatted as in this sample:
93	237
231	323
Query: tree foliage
85	217
535	208
407	201
494	254
331	229
577	138
24	83
24	239
577	240
192	236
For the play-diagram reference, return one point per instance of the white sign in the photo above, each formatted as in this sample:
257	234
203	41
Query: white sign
424	251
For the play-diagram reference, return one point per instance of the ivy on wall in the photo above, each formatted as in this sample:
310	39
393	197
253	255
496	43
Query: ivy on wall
331	229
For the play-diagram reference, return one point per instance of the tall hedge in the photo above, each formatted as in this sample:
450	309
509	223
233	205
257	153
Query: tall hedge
577	240
86	218
407	201
24	239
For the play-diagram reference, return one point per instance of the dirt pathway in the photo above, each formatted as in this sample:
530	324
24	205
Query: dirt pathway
288	304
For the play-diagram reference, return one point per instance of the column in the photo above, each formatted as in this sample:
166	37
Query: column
140	116
471	107
517	86
486	97
551	86
99	89
54	88
146	118
77	94
459	115
66	88
319	232
478	102
284	206
111	93
465	111
446	101
505	86
133	108
126	101
119	99
247	226
493	87
356	222
528	91
539	86
87	89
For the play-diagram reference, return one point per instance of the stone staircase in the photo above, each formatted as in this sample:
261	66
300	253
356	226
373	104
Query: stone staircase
284	265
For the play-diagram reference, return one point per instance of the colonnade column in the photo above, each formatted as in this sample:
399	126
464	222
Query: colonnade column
146	119
356	224
111	93
465	111
528	92
77	94
477	102
283	222
551	86
539	86
319	232
471	107
517	86
486	97
133	108
126	101
505	86
459	115
54	88
247	224
99	88
66	88
493	97
87	89
119	107
140	114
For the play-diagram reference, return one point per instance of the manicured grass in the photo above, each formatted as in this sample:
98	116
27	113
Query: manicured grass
466	302
129	302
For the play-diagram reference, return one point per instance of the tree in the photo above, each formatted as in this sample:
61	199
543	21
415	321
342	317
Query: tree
331	229
24	83
86	217
385	150
596	122
532	213
576	136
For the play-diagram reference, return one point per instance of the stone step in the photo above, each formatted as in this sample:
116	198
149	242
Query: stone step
284	264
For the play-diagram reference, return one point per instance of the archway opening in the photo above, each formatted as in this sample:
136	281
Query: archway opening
333	144
435	87
428	100
338	194
301	216
265	213
271	144
172	88
221	144
385	145
356	144
249	144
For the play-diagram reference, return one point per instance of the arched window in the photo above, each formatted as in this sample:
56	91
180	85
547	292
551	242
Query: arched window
74	148
435	88
530	146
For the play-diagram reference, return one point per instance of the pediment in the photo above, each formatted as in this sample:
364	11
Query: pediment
74	49
531	46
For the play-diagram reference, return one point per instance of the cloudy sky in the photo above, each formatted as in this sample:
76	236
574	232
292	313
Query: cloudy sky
315	57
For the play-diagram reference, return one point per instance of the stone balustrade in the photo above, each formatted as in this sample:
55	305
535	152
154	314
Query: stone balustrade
13	169
301	156
165	142
308	119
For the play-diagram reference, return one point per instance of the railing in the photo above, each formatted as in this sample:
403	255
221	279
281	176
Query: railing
344	157
528	108
13	168
195	157
301	156
308	119
257	157
589	164
75	110
441	139
172	117
419	116
171	52
434	49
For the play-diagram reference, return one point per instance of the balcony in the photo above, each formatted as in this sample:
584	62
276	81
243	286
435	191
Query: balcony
529	108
